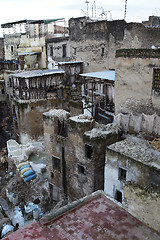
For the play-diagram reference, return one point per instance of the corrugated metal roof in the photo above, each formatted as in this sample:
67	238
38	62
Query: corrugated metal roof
65	63
27	53
107	75
37	73
45	21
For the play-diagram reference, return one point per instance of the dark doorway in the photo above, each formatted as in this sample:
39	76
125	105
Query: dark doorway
118	196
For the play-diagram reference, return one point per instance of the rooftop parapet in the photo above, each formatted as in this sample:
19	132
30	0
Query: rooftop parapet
138	53
81	123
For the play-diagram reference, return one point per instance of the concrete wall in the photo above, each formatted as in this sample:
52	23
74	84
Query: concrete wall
87	39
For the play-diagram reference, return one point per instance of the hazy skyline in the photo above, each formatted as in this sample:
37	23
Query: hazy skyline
15	10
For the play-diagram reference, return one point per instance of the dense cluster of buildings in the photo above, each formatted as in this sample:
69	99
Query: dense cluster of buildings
90	93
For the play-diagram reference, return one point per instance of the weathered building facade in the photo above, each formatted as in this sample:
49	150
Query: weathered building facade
154	21
137	88
32	93
25	41
96	42
75	149
58	50
132	169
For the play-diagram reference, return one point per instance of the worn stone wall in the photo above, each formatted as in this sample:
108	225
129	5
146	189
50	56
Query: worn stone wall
28	118
55	143
1	48
134	93
80	150
80	181
154	21
100	137
96	43
142	204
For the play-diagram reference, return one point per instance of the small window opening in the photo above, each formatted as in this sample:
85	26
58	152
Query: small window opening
122	174
11	49
61	129
2	91
118	196
102	53
75	51
64	50
81	169
56	163
17	46
88	151
51	51
52	175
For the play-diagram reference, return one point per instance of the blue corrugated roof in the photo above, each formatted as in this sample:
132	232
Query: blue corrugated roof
107	75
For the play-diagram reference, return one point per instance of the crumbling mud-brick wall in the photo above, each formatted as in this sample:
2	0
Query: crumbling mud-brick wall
80	167
96	141
76	153
96	43
55	138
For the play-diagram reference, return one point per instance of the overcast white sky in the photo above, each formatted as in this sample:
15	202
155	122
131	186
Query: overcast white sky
14	10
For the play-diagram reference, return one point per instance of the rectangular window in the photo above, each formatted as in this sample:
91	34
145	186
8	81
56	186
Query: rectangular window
64	50
51	51
156	79
56	163
52	175
17	46
81	169
102	53
122	174
88	151
11	49
75	51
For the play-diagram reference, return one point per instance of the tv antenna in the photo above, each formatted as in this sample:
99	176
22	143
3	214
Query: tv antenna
125	10
87	2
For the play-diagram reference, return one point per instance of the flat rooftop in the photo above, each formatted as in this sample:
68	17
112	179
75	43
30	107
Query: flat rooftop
102	131
106	75
96	217
139	150
37	73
